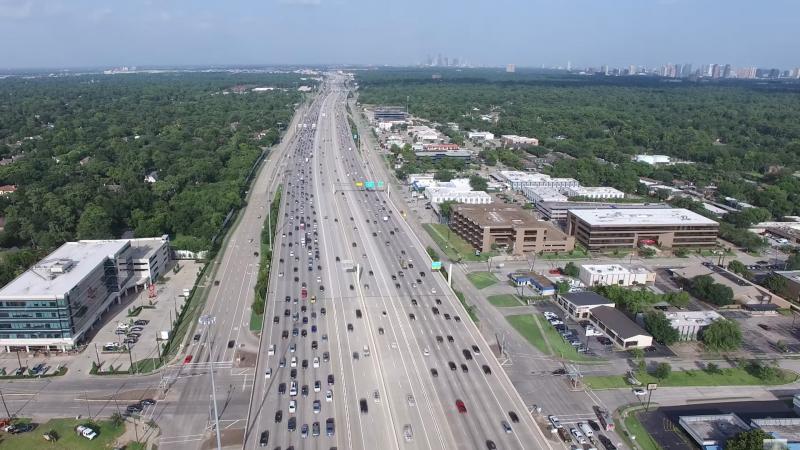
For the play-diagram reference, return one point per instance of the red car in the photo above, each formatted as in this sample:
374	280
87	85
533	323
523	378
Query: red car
188	359
461	408
304	293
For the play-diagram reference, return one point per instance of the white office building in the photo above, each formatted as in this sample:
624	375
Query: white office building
690	323
458	190
538	194
593	192
480	135
512	140
653	159
614	274
519	180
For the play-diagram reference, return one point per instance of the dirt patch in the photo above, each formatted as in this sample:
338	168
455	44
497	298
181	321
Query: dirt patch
245	359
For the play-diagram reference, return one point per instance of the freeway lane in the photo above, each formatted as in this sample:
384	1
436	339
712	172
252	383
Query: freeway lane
371	308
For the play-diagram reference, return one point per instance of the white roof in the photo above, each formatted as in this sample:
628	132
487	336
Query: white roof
57	274
684	318
644	216
606	269
579	191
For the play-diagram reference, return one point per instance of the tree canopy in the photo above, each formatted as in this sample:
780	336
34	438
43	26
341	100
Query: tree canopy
722	335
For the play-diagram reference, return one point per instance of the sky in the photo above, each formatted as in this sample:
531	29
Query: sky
528	33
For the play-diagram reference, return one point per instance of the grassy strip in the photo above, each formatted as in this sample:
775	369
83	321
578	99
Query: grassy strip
68	439
505	300
560	347
525	325
482	280
470	308
455	248
726	377
262	282
635	428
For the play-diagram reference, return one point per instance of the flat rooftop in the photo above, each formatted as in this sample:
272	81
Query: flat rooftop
617	321
788	428
689	318
604	269
586	298
638	217
57	274
499	216
713	429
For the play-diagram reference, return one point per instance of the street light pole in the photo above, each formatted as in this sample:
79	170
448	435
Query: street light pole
8	414
208	320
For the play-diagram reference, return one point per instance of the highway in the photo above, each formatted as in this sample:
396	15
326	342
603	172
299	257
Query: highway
392	303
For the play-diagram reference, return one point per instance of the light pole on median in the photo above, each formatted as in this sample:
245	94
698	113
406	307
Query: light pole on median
208	320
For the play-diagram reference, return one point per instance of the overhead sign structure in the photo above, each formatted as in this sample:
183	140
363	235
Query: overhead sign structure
436	265
380	184
369	184
359	184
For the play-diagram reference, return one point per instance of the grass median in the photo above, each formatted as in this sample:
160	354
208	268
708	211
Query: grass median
735	376
68	438
482	280
505	301
545	338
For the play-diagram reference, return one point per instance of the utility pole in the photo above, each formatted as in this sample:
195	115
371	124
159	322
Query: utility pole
97	354
8	414
208	320
130	357
269	224
19	360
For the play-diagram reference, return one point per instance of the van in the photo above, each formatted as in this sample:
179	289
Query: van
587	430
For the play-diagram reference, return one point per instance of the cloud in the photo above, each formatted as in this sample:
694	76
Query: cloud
13	9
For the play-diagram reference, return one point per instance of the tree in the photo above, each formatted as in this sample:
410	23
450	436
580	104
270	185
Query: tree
775	283
95	223
571	270
446	208
663	370
647	252
677	299
660	327
562	287
478	183
52	435
444	175
722	335
116	419
704	287
748	440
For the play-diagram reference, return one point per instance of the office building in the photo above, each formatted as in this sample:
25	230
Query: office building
629	228
457	190
518	180
593	192
653	159
577	305
390	114
534	280
460	154
537	194
514	141
480	135
623	331
52	305
614	274
711	431
490	226
558	211
691	323
792	277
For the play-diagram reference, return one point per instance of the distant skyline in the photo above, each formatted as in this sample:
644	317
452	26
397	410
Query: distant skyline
527	33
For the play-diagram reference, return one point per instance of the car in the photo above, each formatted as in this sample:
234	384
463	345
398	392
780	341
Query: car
639	392
293	374
141	322
376	396
450	339
330	380
316	362
439	339
462	408
147	402
467	354
452	365
188	359
86	432
282	389
506	426
577	433
464	368
304	391
317	386
285	334
315	429
264	439
412	316
355	356
330	428
435	310
408	433
316	406
268	373
292	406
326	356
434	373
363	406
292	424
555	422
380	331
349	327
426	351
278	416
490	445
231	343
134	409
764	326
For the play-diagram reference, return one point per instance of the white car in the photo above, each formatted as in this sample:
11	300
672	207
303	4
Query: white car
268	373
271	350
410	400
639	392
316	362
329	396
280	274
426	352
294	362
575	432
292	406
86	432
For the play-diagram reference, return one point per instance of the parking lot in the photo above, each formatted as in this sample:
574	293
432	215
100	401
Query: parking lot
769	334
139	331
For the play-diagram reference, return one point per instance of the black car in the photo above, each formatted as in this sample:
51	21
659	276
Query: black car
292	425
231	343
452	365
147	402
264	439
134	409
434	373
487	370
362	405
196	337
330	380
281	388
513	416
278	416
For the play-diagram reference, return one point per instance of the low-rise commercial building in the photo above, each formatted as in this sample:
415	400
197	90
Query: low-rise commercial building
535	280
558	211
514	141
711	431
600	192
538	194
390	114
792	277
480	135
519	180
457	190
460	154
623	331
578	304
52	305
745	293
691	323
653	160
485	226
614	274
629	228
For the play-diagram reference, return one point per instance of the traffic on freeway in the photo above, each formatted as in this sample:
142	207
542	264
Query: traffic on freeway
363	345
